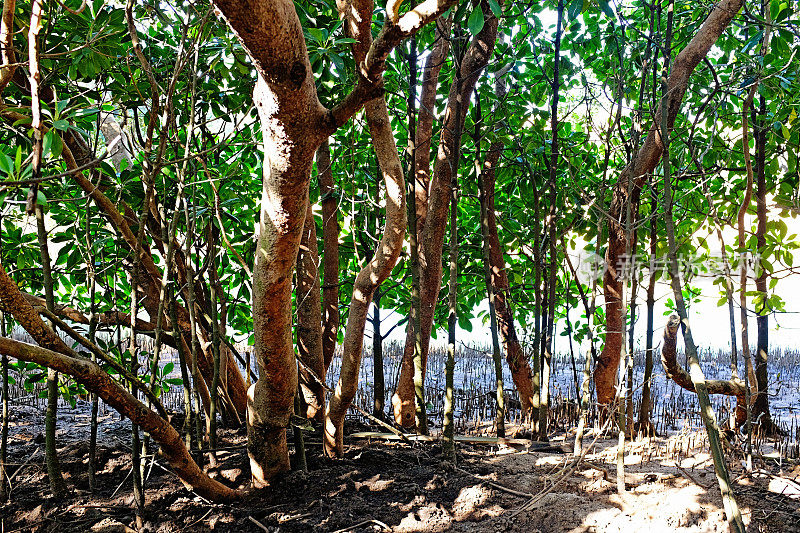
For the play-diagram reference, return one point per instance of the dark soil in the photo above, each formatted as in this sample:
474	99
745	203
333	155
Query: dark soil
375	484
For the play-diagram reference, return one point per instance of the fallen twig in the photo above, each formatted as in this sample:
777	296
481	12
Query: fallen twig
259	524
691	478
364	523
18	470
497	486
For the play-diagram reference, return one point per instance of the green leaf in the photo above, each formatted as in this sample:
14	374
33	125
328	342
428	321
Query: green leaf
475	22
496	9
6	164
606	7
575	8
47	141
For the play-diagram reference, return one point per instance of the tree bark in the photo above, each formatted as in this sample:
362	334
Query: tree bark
515	356
645	425
309	321
640	168
379	385
372	275
427	106
387	251
7	56
330	258
294	124
500	404
431	243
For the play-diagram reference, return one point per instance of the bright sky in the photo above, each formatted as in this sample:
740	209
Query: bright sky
710	323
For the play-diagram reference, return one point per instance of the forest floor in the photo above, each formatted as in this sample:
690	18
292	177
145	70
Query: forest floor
378	485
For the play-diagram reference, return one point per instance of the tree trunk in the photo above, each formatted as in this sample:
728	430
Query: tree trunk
97	380
432	241
294	124
372	275
551	232
386	252
309	322
515	356
330	258
421	418
645	425
643	163
761	401
698	381
448	429
287	167
424	127
379	387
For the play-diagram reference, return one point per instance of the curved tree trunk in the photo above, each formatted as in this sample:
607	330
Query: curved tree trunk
640	168
287	168
515	356
372	275
309	321
294	124
431	242
54	353
424	133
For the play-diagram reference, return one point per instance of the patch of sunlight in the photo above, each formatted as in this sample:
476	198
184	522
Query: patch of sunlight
784	487
469	500
550	460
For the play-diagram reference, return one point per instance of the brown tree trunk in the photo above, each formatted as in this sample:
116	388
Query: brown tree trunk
56	354
515	356
427	104
372	275
645	425
640	168
431	242
386	252
283	211
309	321
294	124
330	258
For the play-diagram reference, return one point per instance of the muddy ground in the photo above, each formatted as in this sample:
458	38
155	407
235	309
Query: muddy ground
380	485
